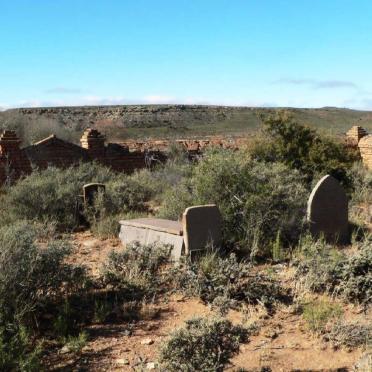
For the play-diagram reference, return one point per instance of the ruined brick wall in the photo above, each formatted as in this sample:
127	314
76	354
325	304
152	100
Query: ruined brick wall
94	142
13	162
355	134
358	137
365	147
122	157
53	151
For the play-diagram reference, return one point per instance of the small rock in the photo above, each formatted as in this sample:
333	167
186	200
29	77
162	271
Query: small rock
271	333
147	341
65	350
179	298
151	365
122	361
126	332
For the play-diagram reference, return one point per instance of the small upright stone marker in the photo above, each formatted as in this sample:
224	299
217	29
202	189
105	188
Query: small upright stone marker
327	211
201	225
90	191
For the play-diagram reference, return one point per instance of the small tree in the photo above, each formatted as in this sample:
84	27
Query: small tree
301	147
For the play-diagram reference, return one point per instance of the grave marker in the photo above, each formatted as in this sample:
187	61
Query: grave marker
327	211
202	225
90	191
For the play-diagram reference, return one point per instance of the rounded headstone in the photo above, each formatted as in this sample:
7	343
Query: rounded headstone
202	225
91	190
327	211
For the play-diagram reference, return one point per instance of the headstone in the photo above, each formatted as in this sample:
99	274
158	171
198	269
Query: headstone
202	225
90	192
327	211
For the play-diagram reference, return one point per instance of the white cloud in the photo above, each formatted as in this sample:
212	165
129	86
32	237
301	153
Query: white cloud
158	99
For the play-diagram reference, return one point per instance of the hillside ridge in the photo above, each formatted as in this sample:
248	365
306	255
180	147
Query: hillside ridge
119	122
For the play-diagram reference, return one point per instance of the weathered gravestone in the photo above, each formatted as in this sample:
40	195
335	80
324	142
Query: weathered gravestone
327	211
202	225
90	191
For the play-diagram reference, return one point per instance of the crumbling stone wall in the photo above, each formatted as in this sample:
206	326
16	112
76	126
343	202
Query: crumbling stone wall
52	151
122	157
365	147
355	134
13	162
359	137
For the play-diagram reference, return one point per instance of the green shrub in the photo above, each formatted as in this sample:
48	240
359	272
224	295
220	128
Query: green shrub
32	278
302	148
109	208
17	352
202	345
324	269
53	194
75	343
318	313
106	227
163	177
226	282
256	199
362	184
137	270
350	334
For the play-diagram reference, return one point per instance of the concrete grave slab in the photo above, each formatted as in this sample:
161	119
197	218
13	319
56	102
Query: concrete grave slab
202	225
327	211
157	224
153	231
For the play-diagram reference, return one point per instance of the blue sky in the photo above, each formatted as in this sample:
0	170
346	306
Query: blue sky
302	53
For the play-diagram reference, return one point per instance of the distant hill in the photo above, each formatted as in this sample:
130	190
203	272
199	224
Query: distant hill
167	121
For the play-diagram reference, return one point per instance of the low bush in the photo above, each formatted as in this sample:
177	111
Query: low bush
325	270
362	184
227	283
33	277
137	270
202	345
18	352
75	344
54	194
163	177
318	313
257	200
350	335
360	210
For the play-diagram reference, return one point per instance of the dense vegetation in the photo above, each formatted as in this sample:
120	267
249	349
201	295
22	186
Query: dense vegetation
261	192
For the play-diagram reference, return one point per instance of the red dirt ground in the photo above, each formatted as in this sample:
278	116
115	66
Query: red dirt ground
283	342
